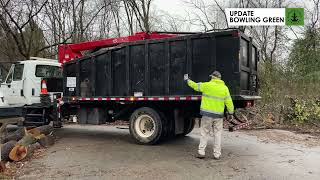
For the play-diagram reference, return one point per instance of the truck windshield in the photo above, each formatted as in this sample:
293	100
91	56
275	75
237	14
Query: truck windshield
48	71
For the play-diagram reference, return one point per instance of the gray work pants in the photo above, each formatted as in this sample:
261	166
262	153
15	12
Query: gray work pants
211	127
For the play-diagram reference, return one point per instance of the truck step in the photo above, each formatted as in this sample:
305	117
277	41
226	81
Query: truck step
34	115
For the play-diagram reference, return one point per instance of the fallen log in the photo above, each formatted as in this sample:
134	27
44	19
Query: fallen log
20	151
6	149
46	129
31	148
7	121
27	140
46	141
15	136
28	143
34	131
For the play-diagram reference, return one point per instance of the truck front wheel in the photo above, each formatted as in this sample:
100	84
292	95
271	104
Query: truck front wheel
146	125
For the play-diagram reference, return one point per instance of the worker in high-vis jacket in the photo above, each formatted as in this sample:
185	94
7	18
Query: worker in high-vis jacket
215	97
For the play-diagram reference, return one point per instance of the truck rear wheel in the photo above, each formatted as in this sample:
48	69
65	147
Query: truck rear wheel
146	125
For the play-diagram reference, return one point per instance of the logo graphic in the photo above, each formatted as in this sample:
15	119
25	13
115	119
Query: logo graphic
294	16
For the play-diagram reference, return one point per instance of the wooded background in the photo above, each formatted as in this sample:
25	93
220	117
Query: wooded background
289	56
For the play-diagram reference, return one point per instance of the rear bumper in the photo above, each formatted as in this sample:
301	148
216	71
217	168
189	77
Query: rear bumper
246	97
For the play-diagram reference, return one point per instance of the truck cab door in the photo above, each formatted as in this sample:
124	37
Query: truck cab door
14	85
6	85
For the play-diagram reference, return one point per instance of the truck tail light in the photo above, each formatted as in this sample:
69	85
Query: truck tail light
236	34
249	104
73	99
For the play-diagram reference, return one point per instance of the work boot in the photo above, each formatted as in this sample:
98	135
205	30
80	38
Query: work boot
200	156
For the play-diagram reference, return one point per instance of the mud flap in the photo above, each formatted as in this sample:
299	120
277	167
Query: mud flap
179	121
97	116
82	115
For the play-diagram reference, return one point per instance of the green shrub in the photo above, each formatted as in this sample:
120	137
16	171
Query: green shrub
300	111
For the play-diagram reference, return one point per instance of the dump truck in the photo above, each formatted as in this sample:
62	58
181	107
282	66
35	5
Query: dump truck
139	79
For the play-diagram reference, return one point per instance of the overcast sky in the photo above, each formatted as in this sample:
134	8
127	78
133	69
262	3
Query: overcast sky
171	6
179	8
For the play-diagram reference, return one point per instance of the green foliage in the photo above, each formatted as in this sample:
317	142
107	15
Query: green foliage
278	85
297	80
315	115
273	83
302	111
305	55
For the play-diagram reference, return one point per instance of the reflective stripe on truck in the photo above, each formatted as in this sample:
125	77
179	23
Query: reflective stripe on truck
161	98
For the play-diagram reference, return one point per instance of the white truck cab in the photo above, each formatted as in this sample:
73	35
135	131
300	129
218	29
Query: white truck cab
22	85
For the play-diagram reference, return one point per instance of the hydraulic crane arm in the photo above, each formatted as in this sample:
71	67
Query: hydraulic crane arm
67	52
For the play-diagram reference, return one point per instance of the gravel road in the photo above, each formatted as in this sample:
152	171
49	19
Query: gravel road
106	152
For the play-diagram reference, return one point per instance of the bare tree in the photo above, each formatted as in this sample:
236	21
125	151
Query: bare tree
269	38
115	9
205	15
130	16
141	9
314	13
15	16
313	26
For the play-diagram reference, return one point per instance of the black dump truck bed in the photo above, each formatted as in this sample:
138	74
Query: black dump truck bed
157	67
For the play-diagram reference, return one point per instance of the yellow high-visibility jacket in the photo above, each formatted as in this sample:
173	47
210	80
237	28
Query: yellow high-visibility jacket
215	96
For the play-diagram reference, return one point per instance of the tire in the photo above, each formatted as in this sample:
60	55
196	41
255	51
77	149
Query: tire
146	126
189	125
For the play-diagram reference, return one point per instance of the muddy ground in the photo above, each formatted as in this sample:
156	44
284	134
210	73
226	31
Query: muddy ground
104	152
